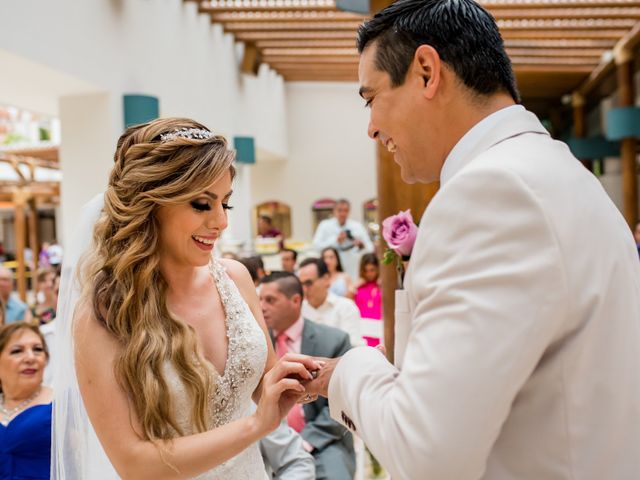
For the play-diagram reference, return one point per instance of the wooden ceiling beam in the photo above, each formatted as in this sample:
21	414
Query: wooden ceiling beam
522	65
307	78
535	35
266	6
560	43
557	52
290	26
567	13
585	29
290	16
295	35
562	61
547	69
306	44
609	34
556	4
320	73
565	24
311	52
288	64
271	60
353	53
319	76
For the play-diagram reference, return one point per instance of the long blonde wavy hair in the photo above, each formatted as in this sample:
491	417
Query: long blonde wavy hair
123	283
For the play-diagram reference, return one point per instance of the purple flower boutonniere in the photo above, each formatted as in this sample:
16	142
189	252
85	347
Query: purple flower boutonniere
400	232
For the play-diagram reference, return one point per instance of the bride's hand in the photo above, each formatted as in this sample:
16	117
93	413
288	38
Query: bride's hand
282	388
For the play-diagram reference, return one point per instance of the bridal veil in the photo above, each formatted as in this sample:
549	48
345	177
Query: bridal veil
76	451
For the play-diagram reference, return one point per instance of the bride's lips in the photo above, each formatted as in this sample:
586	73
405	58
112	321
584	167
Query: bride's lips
204	242
29	371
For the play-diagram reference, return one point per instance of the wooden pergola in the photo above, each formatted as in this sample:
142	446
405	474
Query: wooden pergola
554	44
567	56
24	195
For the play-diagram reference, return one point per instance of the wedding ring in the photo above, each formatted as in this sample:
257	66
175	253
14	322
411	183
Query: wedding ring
307	398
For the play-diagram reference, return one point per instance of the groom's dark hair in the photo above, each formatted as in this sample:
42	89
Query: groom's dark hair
287	283
464	34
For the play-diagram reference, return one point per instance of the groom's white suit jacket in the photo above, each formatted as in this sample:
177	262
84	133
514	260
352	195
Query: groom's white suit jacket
518	334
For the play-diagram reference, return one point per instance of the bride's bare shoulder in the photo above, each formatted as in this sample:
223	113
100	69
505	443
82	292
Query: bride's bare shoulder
86	327
238	273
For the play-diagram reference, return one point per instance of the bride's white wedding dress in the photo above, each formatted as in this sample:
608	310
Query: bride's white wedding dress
246	357
76	451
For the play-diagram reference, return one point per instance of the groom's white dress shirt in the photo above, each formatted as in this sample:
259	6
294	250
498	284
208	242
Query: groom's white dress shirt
518	334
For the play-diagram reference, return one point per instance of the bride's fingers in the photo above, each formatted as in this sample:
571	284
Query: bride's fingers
287	385
309	362
285	368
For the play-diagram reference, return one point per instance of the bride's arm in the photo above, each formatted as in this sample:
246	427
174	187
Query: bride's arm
240	276
119	430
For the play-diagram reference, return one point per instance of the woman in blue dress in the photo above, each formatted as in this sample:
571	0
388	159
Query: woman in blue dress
25	404
341	283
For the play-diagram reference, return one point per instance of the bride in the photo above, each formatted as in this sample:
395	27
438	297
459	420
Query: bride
169	346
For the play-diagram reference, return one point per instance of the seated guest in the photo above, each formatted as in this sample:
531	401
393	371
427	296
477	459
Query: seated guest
266	228
288	257
255	265
25	405
368	298
284	455
330	443
340	282
43	256
44	309
14	309
322	306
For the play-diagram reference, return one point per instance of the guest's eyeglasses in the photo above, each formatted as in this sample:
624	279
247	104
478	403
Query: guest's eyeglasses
308	283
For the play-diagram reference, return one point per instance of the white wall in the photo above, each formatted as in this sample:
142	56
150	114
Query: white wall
155	47
330	154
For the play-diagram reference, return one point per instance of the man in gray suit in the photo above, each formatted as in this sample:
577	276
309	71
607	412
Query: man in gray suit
284	456
329	442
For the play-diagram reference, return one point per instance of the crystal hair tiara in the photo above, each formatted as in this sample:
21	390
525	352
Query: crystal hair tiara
192	133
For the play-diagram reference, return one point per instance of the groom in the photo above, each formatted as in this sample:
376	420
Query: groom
518	334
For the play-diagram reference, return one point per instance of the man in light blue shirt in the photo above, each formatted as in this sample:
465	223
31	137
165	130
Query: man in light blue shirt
14	309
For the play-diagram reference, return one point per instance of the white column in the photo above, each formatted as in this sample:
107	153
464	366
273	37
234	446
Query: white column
90	127
239	230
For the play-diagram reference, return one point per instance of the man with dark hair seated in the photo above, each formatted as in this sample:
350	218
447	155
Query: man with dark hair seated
329	442
289	258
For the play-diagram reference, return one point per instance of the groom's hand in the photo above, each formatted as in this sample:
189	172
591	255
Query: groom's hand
320	386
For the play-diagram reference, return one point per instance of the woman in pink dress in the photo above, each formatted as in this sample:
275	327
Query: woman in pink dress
368	298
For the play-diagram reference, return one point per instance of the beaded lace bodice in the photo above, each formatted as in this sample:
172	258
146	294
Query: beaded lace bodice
246	358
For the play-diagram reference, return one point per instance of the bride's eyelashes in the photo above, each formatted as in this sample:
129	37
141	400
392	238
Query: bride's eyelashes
205	207
200	206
